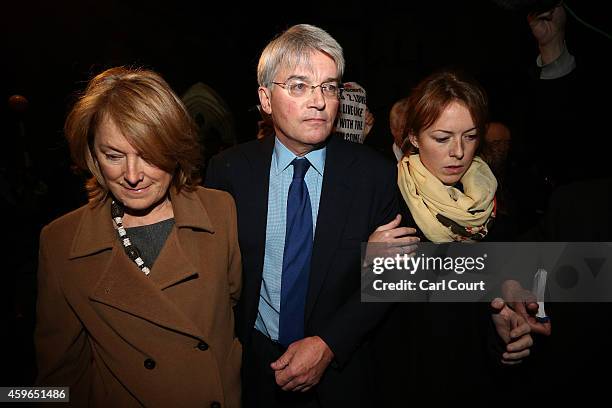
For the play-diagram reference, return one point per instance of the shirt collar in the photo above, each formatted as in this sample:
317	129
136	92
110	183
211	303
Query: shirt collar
284	157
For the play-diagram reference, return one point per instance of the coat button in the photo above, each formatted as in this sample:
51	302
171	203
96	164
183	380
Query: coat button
202	346
149	364
215	404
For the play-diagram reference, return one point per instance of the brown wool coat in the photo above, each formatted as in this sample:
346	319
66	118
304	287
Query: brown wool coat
118	338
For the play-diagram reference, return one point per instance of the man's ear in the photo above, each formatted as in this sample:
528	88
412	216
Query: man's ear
264	99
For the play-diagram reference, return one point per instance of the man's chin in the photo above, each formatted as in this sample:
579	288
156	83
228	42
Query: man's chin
318	137
320	141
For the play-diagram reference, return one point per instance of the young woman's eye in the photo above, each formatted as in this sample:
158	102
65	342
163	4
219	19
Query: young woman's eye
471	137
441	139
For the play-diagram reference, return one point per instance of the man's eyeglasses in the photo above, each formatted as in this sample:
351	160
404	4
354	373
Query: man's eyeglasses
299	89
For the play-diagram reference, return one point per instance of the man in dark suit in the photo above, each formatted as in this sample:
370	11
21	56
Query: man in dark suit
346	190
578	351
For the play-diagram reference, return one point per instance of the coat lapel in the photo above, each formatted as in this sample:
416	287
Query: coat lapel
123	286
173	265
336	197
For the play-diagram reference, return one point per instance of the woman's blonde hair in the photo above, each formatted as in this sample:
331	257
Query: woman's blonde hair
147	113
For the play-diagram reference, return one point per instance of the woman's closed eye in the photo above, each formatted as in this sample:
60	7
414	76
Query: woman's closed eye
113	156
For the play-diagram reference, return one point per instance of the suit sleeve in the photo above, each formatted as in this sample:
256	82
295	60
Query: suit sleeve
214	177
355	320
62	350
235	262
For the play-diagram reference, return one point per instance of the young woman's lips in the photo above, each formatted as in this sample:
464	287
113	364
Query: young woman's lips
454	169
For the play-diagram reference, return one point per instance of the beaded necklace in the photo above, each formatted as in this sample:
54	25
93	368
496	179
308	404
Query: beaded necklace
132	252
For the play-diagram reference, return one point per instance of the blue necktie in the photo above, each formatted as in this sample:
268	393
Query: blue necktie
296	257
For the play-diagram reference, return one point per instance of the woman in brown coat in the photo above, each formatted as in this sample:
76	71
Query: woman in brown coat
136	288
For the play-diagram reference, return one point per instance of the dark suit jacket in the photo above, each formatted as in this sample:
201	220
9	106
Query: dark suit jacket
359	193
447	352
578	351
579	212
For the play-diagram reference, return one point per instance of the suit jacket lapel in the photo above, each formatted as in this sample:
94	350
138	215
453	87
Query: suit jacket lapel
258	187
252	200
333	215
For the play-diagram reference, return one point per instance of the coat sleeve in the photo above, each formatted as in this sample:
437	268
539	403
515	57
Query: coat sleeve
355	320
62	349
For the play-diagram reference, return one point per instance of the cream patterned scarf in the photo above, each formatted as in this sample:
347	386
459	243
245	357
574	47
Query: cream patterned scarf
445	213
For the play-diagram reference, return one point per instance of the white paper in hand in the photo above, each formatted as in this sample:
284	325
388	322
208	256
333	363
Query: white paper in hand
539	288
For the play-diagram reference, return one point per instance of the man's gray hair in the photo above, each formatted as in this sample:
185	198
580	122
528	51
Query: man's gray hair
293	47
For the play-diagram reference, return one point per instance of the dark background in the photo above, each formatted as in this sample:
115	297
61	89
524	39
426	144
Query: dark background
49	50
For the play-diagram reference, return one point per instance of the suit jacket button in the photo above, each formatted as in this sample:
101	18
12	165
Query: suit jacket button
215	404
202	346
149	364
